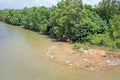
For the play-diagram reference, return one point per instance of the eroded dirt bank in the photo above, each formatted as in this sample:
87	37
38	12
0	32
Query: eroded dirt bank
92	59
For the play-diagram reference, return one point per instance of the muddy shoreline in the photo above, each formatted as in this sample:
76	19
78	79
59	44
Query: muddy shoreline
91	59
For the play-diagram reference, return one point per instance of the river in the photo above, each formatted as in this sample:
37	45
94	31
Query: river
23	57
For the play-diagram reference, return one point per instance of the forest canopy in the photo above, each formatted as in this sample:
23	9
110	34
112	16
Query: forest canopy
71	20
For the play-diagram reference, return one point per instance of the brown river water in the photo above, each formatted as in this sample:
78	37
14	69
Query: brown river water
23	57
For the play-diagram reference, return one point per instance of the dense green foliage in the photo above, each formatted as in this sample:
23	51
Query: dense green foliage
107	8
70	20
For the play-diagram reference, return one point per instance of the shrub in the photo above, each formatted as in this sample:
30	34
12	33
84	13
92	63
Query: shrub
101	39
118	43
77	46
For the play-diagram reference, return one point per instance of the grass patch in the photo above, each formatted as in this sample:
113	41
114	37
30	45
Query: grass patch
77	46
86	46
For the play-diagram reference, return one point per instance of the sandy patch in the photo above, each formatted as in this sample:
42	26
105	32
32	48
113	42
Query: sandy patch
92	59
